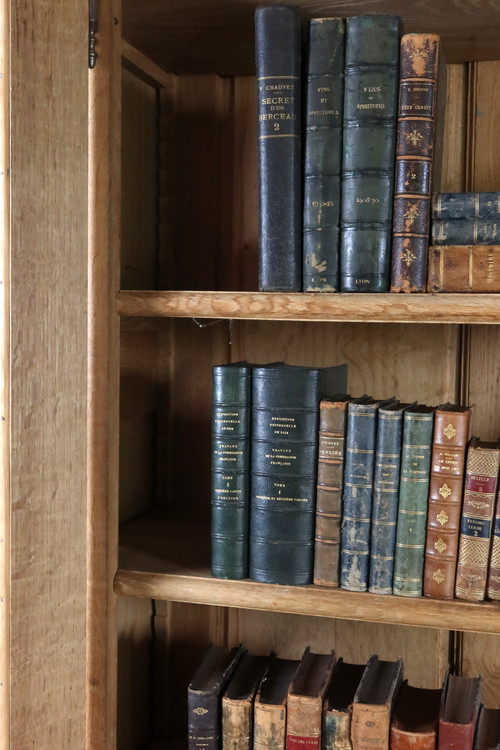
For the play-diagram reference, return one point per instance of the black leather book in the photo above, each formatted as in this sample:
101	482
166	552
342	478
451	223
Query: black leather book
278	68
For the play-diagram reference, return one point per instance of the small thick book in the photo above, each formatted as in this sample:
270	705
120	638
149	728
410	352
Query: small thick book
238	700
493	578
305	700
466	205
323	154
451	436
330	481
476	523
337	706
488	729
278	68
374	703
464	268
270	707
205	696
416	717
460	703
464	232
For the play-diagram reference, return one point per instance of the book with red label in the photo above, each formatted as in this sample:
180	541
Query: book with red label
305	701
460	703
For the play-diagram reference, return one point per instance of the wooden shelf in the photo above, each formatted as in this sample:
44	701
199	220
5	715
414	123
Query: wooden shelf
170	561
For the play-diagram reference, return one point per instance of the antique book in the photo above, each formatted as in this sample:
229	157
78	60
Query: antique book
305	700
464	268
238	700
385	496
330	481
451	435
323	154
476	523
460	703
337	706
412	507
421	109
205	696
466	205
284	455
488	729
464	232
278	70
269	726
416	716
368	151
374	703
493	575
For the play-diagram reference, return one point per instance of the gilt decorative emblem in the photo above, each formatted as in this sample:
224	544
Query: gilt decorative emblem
418	54
450	431
200	711
444	491
439	576
442	517
408	257
414	137
440	545
411	214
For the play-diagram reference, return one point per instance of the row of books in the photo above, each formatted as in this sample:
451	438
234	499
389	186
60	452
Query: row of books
366	494
241	700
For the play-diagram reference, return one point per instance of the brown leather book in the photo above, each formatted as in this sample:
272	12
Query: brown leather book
451	434
238	700
416	717
270	706
459	712
305	701
476	525
374	702
464	268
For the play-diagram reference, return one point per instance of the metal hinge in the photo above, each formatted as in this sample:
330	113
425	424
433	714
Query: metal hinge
93	28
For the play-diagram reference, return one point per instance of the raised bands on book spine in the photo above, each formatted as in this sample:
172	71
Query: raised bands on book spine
466	205
464	268
464	232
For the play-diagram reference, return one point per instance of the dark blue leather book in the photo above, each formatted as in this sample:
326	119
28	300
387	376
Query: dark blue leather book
285	406
323	154
466	205
278	68
369	144
465	232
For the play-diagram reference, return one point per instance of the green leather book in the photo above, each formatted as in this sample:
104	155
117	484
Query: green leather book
413	500
323	154
369	144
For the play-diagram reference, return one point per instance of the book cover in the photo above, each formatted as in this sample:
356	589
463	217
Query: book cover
493	574
323	154
330	480
466	205
270	705
416	716
451	435
337	706
464	268
421	109
238	701
464	232
305	700
205	696
476	523
285	406
488	729
413	494
460	703
374	703
278	70
368	151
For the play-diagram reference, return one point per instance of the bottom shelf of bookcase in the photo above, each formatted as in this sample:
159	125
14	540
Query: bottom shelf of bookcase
169	558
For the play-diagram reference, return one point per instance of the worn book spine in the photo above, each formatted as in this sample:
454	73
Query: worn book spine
323	154
464	268
331	448
374	704
270	707
476	524
451	435
421	88
464	232
493	578
368	151
305	701
413	493
416	717
278	69
460	704
466	205
238	703
337	706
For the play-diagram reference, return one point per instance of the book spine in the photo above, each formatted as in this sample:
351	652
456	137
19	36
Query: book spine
203	721
331	447
303	726
464	268
464	232
385	500
370	727
278	68
493	579
368	150
357	496
337	731
231	390
445	502
466	206
401	740
476	523
237	721
269	731
419	66
412	508
323	154
455	736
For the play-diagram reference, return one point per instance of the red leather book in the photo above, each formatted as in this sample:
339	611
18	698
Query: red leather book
459	712
416	717
305	701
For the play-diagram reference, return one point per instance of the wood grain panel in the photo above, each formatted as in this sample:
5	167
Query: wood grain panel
454	140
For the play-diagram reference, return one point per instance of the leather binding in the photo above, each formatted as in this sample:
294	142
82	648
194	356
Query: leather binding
285	405
419	150
466	205
270	705
476	524
416	716
278	68
368	151
238	700
305	700
412	507
331	448
385	497
464	232
493	577
488	729
231	394
460	704
337	706
451	435
205	696
464	268
374	703
323	154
